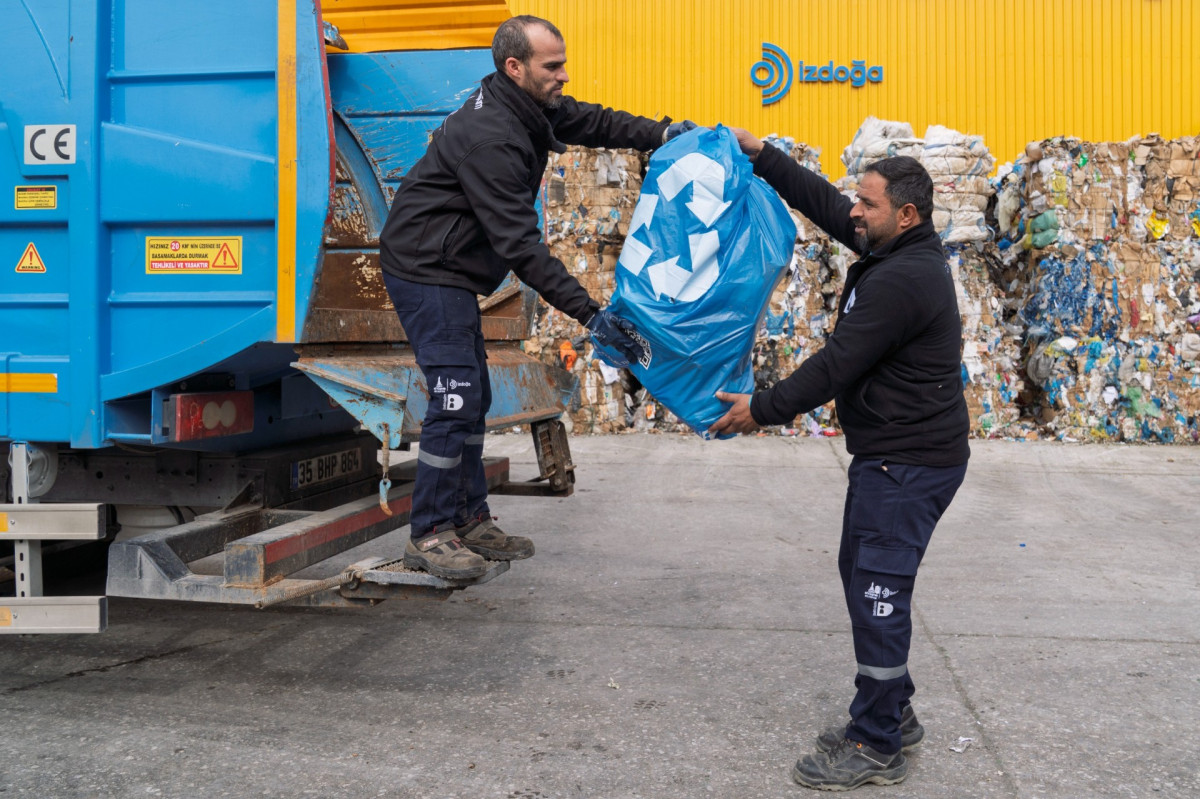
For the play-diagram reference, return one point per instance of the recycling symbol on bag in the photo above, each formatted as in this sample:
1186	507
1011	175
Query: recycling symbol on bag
667	277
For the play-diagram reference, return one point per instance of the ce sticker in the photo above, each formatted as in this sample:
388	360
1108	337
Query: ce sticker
49	144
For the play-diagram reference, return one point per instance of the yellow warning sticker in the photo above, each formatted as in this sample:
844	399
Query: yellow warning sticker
5	617
214	255
3	522
31	198
31	261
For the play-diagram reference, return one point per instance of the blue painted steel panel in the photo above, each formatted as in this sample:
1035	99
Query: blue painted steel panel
178	121
39	32
42	417
391	101
175	108
194	142
169	179
34	338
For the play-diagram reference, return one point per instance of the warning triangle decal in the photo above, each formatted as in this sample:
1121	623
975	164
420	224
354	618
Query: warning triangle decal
225	259
31	261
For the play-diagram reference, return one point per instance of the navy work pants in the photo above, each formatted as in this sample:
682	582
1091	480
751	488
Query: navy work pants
443	326
891	510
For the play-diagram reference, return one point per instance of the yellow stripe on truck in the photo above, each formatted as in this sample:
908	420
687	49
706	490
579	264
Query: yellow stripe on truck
285	221
28	383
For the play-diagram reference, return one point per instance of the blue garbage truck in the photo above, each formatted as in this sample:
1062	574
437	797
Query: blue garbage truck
202	379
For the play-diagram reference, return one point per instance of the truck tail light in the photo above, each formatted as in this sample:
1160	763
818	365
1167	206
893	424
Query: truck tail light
188	417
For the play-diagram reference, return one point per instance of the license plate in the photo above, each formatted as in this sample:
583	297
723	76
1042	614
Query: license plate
324	468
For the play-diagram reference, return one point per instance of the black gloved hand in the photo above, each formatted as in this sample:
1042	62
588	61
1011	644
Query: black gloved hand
675	128
610	330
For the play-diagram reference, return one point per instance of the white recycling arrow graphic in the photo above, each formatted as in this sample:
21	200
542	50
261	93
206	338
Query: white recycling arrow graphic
635	254
708	195
677	283
707	204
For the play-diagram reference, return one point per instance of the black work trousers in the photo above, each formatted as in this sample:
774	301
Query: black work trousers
444	328
891	510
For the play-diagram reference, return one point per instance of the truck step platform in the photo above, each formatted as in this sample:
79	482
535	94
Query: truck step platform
261	548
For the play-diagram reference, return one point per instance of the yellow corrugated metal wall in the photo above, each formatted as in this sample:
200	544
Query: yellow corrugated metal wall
373	25
1009	70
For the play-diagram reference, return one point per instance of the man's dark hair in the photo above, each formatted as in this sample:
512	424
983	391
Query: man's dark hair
907	182
512	41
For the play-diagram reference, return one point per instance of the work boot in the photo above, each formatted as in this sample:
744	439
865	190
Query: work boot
911	732
483	537
848	765
442	554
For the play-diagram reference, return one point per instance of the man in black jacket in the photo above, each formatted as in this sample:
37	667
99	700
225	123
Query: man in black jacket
462	218
893	365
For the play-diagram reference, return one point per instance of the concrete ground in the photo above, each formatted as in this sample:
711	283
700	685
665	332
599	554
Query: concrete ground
680	633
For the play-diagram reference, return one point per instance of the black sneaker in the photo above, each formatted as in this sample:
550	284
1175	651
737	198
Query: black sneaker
911	733
483	537
442	554
847	766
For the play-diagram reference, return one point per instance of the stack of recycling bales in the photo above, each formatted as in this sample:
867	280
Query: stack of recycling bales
959	166
588	197
1081	322
1109	255
1171	194
876	139
992	367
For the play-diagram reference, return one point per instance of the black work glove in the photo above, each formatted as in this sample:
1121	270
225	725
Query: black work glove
616	335
675	128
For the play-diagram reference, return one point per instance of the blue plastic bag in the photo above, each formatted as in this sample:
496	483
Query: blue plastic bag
706	245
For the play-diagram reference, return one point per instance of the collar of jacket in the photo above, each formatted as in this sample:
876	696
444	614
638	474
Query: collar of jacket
531	115
923	235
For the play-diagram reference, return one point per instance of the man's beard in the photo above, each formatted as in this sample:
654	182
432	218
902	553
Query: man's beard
543	97
867	240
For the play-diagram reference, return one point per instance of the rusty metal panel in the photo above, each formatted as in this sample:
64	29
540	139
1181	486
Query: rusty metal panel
350	304
347	225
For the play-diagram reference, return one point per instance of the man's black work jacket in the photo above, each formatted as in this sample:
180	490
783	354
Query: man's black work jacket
464	214
893	361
